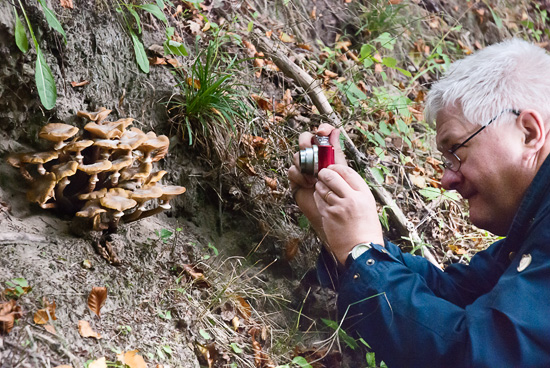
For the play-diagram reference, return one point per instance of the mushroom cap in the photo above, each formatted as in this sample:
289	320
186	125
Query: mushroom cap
14	159
131	139
96	116
107	143
42	189
170	191
78	145
140	172
38	157
90	209
93	195
97	167
146	193
57	132
117	199
103	131
121	162
155	177
121	124
65	169
154	143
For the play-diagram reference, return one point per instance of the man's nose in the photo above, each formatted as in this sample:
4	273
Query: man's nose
451	179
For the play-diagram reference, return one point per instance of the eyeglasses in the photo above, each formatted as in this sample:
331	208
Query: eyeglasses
451	161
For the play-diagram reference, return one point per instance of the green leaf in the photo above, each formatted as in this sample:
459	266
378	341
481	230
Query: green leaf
44	82
430	193
250	26
303	222
301	361
175	48
136	17
156	11
371	360
141	57
20	36
160	4
170	31
378	174
21	281
205	334
389	62
367	51
167	349
52	20
236	348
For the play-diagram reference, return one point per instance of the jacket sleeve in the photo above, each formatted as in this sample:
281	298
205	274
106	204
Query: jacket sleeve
460	284
389	302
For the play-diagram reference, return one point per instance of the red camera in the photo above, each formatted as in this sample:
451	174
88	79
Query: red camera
318	157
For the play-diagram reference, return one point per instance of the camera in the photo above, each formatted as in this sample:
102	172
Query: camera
318	157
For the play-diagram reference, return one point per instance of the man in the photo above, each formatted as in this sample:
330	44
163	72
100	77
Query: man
492	112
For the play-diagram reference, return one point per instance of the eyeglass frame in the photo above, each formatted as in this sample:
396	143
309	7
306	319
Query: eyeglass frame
447	163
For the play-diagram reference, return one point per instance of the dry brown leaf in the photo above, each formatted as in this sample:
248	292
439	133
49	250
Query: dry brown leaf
395	2
132	359
244	164
97	298
195	83
313	13
291	248
50	329
80	84
99	363
209	353
235	322
196	275
304	46
9	312
13	292
262	102
271	182
285	37
268	33
64	366
194	27
206	27
174	62
43	316
243	307
67	4
157	61
86	330
330	74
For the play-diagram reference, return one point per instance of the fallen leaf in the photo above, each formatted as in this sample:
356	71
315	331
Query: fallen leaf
330	74
9	313
263	103
235	322
285	37
291	248
209	353
194	27
97	298
157	61
50	329
99	363
86	330
304	46
196	275
43	316
64	366
174	62
244	164
271	182
268	33
243	307
80	84
66	4
195	83
132	359
313	13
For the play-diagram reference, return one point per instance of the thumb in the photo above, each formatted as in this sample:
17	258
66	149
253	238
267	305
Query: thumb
339	156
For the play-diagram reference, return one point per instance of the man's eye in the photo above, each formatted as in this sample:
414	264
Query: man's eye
454	147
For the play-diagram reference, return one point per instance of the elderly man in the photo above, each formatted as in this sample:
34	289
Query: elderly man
491	111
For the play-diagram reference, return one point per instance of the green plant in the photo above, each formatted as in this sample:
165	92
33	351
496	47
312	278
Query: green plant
210	103
45	83
18	286
171	46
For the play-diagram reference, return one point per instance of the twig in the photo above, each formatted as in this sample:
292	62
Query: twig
315	92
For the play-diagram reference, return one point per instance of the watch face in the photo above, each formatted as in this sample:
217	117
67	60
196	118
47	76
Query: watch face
359	249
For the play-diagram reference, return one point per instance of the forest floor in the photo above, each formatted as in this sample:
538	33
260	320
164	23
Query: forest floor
224	278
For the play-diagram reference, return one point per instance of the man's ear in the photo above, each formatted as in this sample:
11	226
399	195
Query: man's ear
532	126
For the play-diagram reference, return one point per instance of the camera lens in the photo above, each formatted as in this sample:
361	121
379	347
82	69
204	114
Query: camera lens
309	160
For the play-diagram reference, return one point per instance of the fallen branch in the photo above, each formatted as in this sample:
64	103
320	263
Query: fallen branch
315	91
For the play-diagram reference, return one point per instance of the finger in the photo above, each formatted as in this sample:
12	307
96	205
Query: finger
304	141
298	179
350	176
332	181
325	129
334	139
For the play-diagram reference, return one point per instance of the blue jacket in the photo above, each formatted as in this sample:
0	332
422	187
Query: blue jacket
490	313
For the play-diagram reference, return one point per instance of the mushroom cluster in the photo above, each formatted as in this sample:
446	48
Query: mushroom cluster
103	173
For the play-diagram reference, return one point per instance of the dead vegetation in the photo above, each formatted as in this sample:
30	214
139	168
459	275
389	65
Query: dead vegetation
180	298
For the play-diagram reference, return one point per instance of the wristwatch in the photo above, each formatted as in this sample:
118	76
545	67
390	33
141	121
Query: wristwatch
356	252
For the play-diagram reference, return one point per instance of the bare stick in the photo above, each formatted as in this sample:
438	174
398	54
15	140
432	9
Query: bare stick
315	92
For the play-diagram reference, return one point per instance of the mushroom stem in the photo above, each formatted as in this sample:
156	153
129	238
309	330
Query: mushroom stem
25	173
41	169
92	182
61	188
113	225
143	214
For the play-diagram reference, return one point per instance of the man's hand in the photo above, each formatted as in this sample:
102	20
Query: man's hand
347	209
303	186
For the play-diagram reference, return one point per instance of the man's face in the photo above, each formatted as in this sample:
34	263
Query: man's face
492	175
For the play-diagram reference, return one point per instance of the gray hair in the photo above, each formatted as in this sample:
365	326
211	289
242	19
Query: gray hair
513	74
